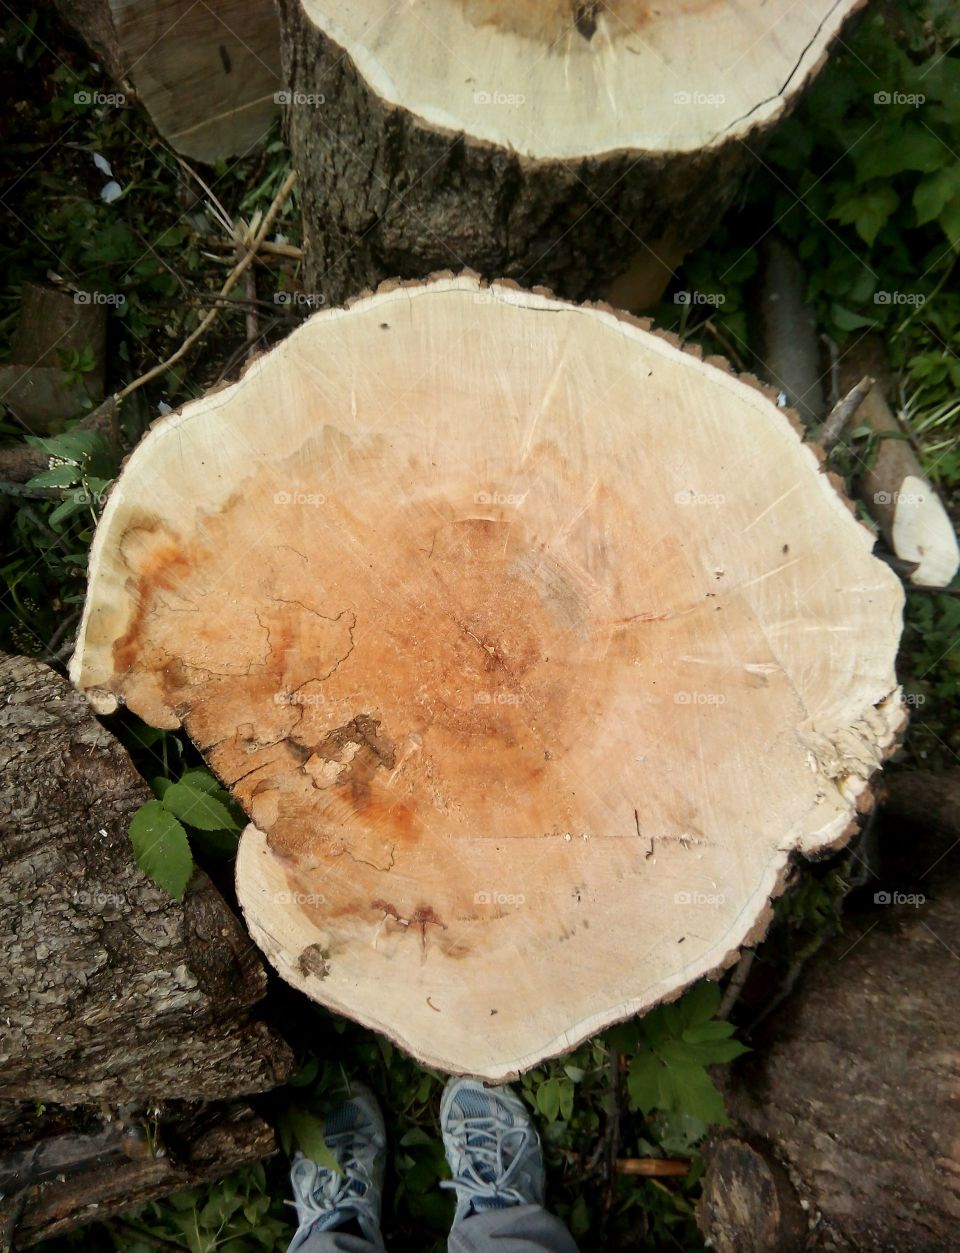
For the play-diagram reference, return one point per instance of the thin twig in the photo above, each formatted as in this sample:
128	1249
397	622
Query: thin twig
841	413
735	986
725	343
231	281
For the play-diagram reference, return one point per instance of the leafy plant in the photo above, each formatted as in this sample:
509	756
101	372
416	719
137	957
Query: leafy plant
158	830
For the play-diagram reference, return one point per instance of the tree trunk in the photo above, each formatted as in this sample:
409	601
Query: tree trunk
485	597
207	74
853	1095
452	135
111	990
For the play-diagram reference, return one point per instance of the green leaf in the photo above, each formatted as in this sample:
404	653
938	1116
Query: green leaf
64	475
161	848
932	194
307	1131
548	1099
868	211
197	808
713	1030
699	1004
67	509
692	1092
643	1081
201	780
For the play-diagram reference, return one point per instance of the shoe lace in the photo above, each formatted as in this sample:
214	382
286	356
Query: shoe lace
320	1191
479	1143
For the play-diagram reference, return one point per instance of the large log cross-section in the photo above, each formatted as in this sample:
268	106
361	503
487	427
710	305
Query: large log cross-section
531	643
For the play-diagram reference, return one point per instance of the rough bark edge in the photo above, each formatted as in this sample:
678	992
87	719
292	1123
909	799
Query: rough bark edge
238	1138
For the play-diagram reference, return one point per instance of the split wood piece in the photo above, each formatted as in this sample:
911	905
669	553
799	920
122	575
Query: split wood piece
207	74
545	142
532	645
207	1142
109	989
903	501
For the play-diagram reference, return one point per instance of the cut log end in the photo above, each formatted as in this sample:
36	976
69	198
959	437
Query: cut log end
531	644
560	79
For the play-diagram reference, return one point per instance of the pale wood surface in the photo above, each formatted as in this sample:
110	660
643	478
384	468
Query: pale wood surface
531	643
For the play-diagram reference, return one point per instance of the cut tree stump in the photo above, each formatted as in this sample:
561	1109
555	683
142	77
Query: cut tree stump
545	142
111	990
531	643
208	74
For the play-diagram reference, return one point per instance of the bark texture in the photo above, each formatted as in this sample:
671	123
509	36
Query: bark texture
855	1094
200	1143
109	989
385	195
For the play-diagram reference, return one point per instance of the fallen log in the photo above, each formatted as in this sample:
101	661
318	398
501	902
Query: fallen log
545	142
531	644
848	1101
120	1172
109	989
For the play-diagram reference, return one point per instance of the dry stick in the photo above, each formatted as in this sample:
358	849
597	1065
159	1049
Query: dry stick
841	413
232	279
652	1167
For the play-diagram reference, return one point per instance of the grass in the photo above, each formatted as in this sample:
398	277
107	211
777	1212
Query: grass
864	193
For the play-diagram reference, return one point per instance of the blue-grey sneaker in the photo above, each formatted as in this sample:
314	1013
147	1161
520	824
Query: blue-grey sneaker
492	1147
326	1200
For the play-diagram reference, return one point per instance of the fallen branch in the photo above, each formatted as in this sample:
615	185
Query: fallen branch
230	282
836	421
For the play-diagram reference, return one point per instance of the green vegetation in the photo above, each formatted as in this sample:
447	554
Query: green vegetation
866	190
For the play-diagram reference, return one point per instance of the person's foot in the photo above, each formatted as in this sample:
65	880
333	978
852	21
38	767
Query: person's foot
492	1147
326	1200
